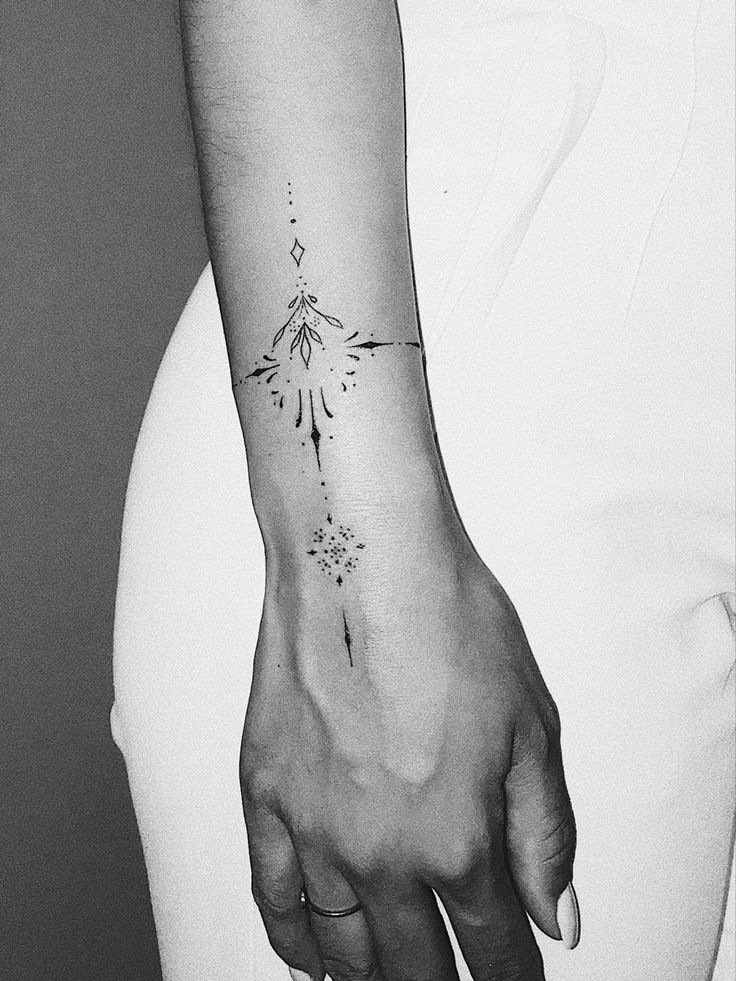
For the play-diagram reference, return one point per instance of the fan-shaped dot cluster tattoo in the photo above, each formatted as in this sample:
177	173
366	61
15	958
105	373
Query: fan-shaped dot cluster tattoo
312	363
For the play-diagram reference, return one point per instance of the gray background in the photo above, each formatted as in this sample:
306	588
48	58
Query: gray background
101	241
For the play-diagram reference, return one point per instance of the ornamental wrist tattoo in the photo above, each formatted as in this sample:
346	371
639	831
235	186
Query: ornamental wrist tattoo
312	363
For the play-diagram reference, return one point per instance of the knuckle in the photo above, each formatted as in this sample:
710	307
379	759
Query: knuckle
459	860
256	785
370	857
560	837
554	849
557	848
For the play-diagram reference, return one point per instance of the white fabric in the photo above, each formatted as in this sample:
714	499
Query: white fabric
571	206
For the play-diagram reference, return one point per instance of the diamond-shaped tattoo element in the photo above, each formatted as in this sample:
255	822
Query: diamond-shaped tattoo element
297	251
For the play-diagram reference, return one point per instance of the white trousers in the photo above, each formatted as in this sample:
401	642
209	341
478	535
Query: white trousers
571	210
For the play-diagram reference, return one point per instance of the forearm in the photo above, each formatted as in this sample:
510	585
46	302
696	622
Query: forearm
298	115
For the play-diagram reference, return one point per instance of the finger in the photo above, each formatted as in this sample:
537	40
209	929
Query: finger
407	929
344	942
540	832
491	927
277	885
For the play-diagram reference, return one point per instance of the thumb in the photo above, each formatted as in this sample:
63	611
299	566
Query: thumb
540	833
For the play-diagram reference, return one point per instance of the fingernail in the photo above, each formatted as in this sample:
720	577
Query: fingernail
298	975
568	917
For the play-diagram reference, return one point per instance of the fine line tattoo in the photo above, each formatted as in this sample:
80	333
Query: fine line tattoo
348	640
312	363
335	549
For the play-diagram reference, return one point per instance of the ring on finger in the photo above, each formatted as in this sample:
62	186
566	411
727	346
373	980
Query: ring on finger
329	913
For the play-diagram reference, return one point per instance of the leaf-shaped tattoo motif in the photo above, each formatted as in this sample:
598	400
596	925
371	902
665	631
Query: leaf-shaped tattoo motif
305	349
305	317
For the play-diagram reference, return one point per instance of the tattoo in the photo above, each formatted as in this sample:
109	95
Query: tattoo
347	638
335	550
310	354
297	252
311	364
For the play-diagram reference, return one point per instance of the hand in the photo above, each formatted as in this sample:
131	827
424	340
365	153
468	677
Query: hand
400	739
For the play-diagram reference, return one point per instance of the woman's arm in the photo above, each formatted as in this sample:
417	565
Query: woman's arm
399	738
298	115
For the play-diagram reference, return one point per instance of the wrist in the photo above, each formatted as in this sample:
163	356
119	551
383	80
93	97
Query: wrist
368	526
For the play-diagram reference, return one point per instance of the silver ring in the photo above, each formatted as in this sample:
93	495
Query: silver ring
330	913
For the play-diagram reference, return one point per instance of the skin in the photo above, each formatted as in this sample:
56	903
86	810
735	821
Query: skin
399	743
